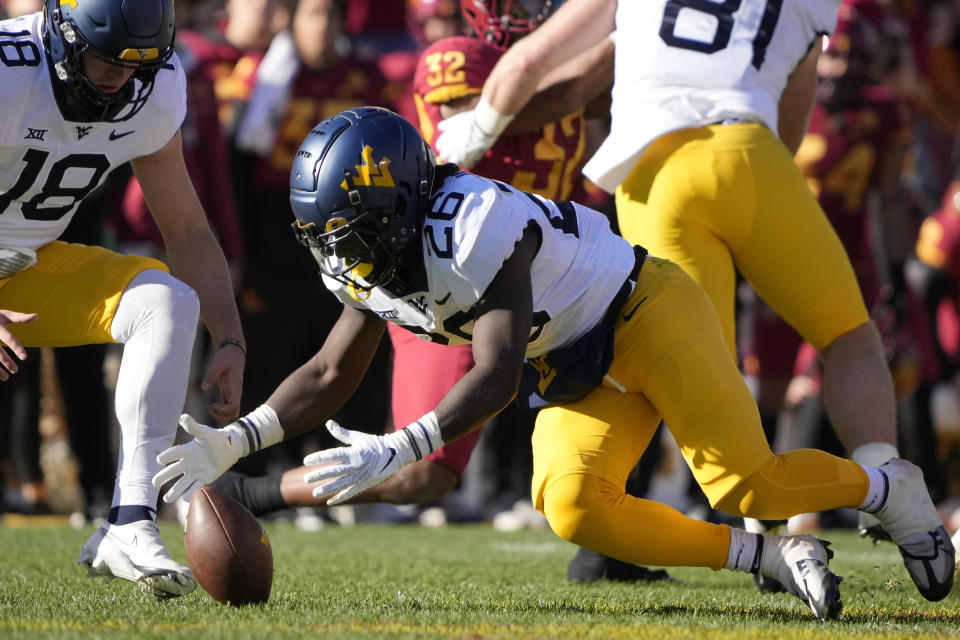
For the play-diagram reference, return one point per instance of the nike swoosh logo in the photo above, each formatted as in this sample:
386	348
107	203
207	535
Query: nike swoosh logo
393	454
116	136
627	316
132	542
442	301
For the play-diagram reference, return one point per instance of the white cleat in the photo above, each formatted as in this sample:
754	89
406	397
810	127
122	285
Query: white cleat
914	525
136	553
800	564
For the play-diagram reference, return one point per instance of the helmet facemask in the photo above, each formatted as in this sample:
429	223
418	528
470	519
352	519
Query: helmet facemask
354	253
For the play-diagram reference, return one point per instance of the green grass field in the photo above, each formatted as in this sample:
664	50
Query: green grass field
461	581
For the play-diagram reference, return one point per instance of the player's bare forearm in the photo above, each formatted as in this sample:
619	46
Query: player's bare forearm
316	390
500	335
194	252
568	88
421	482
576	26
198	260
480	395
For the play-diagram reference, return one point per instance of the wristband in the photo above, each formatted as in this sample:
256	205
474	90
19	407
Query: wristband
423	436
237	343
489	120
259	429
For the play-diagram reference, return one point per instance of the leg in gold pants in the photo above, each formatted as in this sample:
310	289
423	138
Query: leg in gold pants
671	357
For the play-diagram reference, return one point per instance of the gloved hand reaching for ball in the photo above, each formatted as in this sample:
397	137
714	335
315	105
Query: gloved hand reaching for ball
368	460
212	451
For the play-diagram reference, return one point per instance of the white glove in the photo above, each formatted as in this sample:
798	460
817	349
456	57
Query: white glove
200	461
468	135
462	142
369	460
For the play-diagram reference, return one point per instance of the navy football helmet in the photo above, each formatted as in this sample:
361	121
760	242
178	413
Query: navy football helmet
137	34
359	189
503	22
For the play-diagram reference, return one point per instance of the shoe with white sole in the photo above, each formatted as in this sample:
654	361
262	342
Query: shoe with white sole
914	525
801	565
136	553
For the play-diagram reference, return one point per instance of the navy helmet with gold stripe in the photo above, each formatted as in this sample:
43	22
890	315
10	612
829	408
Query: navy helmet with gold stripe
359	189
137	34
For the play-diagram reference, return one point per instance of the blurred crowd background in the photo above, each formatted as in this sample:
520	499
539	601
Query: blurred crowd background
882	154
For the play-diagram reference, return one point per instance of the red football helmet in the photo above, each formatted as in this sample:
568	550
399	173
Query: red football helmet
500	22
421	10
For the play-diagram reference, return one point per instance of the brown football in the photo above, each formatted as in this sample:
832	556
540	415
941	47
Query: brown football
227	549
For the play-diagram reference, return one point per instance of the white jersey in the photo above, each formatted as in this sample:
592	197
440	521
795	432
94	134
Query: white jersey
683	63
49	164
472	229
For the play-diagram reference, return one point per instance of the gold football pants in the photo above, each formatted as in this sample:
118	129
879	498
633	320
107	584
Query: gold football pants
715	198
74	289
671	358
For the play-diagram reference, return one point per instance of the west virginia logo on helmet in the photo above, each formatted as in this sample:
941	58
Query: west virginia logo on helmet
136	55
369	174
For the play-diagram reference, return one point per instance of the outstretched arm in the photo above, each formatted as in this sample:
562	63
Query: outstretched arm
500	334
577	26
315	391
197	260
307	397
564	63
501	331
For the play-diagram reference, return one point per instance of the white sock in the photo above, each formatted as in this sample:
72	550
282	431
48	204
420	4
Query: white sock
745	551
877	493
156	321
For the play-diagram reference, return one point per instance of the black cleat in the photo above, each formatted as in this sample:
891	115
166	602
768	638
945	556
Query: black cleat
589	566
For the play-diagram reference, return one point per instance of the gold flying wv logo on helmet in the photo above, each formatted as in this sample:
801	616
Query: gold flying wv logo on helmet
369	174
138	55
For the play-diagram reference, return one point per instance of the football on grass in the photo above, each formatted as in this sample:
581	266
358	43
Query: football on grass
227	549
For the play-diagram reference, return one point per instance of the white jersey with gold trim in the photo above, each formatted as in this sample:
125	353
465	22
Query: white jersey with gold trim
49	164
472	227
684	63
